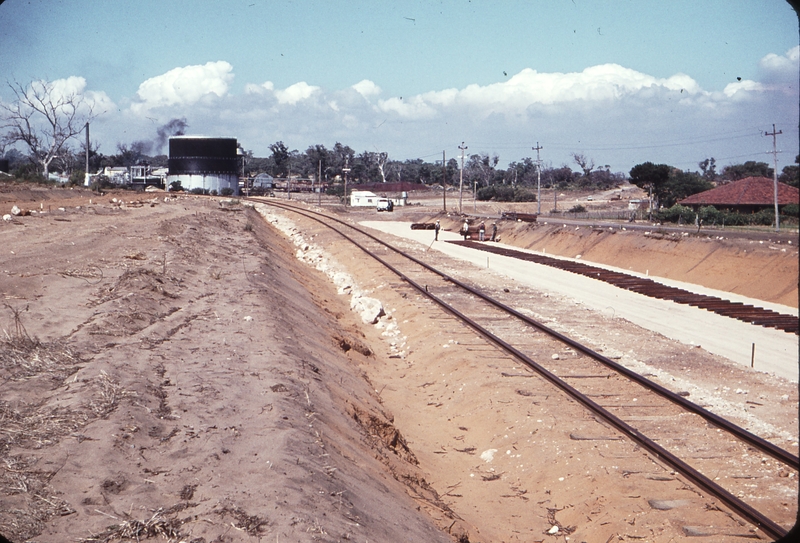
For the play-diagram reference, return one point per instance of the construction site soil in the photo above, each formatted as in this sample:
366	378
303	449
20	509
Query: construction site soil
169	369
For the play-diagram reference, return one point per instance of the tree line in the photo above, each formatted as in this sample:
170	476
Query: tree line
45	125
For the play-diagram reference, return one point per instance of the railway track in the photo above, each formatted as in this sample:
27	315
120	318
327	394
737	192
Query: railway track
736	310
673	429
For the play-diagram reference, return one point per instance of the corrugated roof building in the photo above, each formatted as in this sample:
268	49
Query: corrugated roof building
747	195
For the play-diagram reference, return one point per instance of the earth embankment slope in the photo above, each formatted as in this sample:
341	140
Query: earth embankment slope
167	370
759	269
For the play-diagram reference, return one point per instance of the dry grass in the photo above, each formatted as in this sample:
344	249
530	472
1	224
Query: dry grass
25	364
109	394
23	358
156	526
252	524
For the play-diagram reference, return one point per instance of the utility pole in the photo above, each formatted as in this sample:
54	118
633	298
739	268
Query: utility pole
475	196
538	179
444	184
345	170
86	174
319	181
774	135
461	180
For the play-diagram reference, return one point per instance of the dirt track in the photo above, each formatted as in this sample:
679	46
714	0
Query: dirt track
193	376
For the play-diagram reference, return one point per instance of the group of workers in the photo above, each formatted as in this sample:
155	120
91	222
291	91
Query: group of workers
465	231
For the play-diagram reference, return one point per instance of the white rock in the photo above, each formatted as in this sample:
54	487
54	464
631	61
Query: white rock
553	530
7	217
370	309
488	455
555	356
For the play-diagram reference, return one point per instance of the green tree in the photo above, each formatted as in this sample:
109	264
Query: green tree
709	168
280	159
791	174
652	177
131	155
319	160
751	168
681	185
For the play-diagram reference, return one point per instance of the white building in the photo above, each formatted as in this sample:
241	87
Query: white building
363	198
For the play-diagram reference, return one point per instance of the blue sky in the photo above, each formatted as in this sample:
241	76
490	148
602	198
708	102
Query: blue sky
622	82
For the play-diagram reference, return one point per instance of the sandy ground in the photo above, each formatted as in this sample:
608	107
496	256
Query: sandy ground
171	368
776	350
170	371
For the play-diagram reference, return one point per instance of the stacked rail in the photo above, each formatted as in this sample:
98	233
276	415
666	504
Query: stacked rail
735	310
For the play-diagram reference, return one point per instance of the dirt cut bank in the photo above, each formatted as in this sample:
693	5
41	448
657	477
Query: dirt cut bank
759	269
169	370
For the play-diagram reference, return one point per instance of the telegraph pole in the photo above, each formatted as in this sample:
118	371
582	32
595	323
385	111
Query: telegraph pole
444	184
86	173
345	170
774	135
538	179
461	180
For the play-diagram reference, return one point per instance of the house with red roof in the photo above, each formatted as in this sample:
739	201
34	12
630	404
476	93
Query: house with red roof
747	195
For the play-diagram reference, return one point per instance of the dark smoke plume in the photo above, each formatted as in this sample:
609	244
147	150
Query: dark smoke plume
175	127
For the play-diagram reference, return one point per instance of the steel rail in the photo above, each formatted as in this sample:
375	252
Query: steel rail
768	526
740	433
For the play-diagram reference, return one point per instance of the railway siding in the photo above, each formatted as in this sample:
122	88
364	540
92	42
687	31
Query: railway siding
440	395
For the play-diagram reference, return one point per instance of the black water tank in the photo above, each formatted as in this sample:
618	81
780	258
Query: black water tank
4	165
198	155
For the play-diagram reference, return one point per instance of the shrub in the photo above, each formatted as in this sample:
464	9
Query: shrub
198	190
764	217
30	173
76	179
101	182
524	195
676	213
577	209
335	190
176	186
790	210
506	193
710	215
227	191
730	218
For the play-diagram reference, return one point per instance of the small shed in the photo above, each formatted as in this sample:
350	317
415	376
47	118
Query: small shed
363	198
748	195
263	181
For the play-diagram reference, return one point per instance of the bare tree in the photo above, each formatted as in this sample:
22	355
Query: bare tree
482	166
380	161
586	164
44	119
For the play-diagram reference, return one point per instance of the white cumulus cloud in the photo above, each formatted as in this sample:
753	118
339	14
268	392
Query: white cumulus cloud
185	86
788	62
603	83
296	93
75	86
291	95
746	85
367	88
